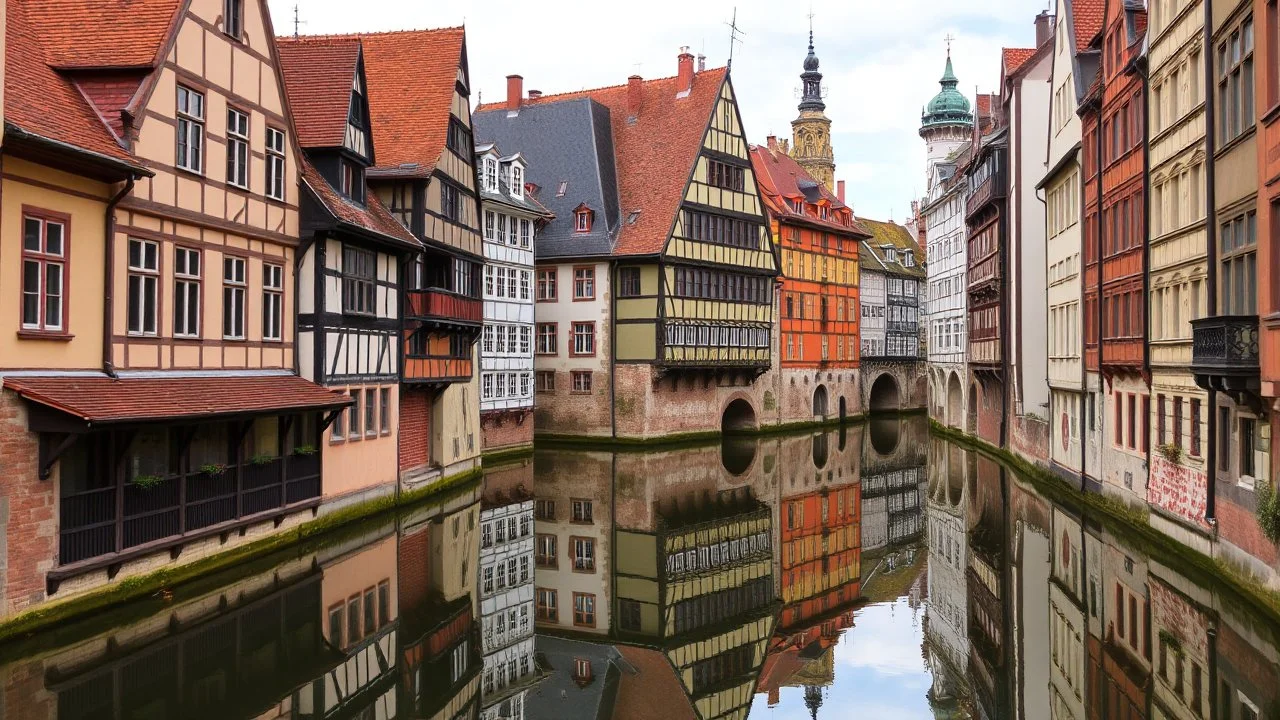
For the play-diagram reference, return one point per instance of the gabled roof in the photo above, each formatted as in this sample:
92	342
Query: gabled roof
780	176
1087	17
1013	58
318	73
43	103
373	217
889	233
100	34
656	150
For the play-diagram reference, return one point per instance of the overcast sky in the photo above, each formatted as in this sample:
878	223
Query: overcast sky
881	60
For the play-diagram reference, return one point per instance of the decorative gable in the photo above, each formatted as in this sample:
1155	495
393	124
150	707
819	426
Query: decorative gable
356	138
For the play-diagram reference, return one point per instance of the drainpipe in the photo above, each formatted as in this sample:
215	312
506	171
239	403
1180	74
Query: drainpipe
1211	280
109	278
1101	314
1144	77
1005	330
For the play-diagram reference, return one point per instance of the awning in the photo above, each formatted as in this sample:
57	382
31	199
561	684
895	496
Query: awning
100	400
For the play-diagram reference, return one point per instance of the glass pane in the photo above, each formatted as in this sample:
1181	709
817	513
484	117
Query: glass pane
1250	284
31	293
149	255
149	304
149	453
53	238
135	253
31	234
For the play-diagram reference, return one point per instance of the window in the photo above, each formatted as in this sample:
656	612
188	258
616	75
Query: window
546	380
629	282
190	130
547	284
546	338
525	333
582	220
144	276
233	18
338	429
1238	245
546	605
707	227
186	292
584	338
1235	83
526	234
584	610
275	164
584	554
44	271
233	290
384	410
1177	421
237	148
629	615
450	205
459	140
724	175
584	283
544	510
370	411
358	289
525	276
517	181
1195	427
581	382
581	511
353	412
490	175
581	670
272	301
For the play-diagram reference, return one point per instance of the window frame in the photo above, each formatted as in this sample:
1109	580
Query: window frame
231	289
589	616
541	387
272	302
239	159
143	274
574	334
585	280
542	348
190	130
359	289
629	281
384	411
575	376
275	164
191	286
44	260
233	19
546	279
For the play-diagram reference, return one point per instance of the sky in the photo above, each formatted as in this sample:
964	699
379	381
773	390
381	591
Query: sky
881	60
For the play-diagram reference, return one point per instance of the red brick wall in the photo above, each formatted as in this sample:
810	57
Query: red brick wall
23	693
988	420
28	511
414	570
415	428
1030	439
1239	526
564	412
500	430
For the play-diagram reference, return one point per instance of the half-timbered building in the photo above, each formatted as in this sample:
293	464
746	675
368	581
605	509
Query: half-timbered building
173	414
986	236
688	299
818	239
352	253
893	276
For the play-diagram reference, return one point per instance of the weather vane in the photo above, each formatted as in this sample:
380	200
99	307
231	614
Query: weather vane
949	38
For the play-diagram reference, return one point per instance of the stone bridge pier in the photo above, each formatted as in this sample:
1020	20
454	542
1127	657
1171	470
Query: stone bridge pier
894	385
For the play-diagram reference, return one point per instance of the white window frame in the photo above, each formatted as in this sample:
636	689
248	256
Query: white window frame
275	164
190	137
146	274
238	148
272	302
186	290
517	180
235	285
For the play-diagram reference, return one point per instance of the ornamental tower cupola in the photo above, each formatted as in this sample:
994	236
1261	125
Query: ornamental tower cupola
811	131
946	122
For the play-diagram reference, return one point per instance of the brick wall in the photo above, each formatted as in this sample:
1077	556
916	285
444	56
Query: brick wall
1238	525
413	574
505	430
28	511
23	693
988	420
564	412
1030	438
685	402
799	385
415	428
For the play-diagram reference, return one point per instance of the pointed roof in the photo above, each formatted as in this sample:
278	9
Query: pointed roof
1087	17
949	107
99	34
812	79
779	177
318	73
1013	58
372	217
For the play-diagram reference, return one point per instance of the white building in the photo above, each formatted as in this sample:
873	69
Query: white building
506	607
946	127
872	298
511	219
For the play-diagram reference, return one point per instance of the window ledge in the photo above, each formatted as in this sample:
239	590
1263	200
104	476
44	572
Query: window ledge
45	335
1271	115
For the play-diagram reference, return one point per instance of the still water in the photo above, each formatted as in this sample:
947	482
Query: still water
870	571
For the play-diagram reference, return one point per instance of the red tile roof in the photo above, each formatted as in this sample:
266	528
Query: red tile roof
778	176
103	33
653	677
1087	16
39	100
1014	58
373	216
318	72
100	399
655	153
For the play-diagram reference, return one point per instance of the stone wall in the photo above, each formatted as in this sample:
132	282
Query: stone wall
798	385
565	412
501	430
909	376
28	512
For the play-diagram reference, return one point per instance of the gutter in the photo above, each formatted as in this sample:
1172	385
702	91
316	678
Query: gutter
135	171
108	269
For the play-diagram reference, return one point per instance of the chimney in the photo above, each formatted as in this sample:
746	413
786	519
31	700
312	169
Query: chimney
771	142
702	62
535	94
633	96
515	91
1044	28
840	191
685	77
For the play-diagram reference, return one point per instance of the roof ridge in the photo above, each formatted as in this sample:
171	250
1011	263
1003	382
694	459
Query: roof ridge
586	92
373	33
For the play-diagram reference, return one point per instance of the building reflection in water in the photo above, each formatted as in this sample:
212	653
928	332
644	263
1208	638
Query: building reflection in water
684	584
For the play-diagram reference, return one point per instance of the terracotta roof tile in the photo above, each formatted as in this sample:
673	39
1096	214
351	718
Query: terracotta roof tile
100	399
39	100
1014	58
102	33
655	153
318	72
374	216
653	677
1087	16
778	175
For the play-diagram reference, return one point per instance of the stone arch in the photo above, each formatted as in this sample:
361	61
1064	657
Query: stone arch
820	401
886	394
955	401
738	416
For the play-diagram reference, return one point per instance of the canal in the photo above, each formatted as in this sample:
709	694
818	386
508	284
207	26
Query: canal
870	571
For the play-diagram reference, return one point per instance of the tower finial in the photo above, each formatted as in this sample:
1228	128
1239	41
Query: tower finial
948	40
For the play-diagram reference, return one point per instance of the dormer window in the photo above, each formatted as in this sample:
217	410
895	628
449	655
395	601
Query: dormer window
822	211
581	669
517	180
908	260
491	174
582	219
351	181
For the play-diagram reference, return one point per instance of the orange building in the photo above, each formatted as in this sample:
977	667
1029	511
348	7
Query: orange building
818	237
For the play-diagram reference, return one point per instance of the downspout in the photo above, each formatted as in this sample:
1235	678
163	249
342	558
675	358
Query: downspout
1101	314
1002	231
1144	77
108	269
613	346
1211	279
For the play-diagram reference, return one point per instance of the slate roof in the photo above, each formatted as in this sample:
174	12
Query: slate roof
655	151
318	73
568	142
101	399
560	697
872	256
526	201
102	34
42	102
780	176
373	217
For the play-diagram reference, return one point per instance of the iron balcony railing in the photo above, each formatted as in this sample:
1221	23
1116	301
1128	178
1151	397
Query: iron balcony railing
1225	345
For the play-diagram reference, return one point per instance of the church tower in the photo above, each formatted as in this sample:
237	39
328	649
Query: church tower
946	122
811	131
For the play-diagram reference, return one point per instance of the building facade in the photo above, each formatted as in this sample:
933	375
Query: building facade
512	219
1266	94
893	277
985	233
818	238
506	570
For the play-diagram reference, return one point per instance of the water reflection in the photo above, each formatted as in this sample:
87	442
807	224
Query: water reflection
866	568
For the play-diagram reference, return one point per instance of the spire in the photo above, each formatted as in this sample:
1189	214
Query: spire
949	107
813	699
811	78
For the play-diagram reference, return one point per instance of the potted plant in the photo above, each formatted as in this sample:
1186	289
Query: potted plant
147	482
305	450
1170	452
214	470
262	459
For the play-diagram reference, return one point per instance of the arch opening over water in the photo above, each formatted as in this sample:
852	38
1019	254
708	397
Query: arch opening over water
738	417
955	401
885	394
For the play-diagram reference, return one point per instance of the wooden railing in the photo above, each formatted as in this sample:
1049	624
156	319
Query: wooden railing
426	368
437	304
110	520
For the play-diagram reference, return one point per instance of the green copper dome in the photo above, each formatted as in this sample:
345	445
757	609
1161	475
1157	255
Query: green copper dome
949	106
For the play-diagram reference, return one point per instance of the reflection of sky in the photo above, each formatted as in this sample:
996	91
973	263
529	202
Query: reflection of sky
879	671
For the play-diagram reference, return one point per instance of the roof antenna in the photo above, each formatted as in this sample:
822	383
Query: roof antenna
734	32
296	20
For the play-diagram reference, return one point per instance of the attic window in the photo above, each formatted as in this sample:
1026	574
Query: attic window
564	187
796	205
581	669
491	174
582	218
822	211
233	18
517	180
908	260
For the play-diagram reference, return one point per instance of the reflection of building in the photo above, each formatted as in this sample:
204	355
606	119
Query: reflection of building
1120	636
947	620
1067	631
987	594
894	476
1182	623
589	681
506	599
572	547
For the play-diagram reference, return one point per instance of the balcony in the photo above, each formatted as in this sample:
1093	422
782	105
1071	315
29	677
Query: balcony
438	305
993	189
436	369
1224	355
